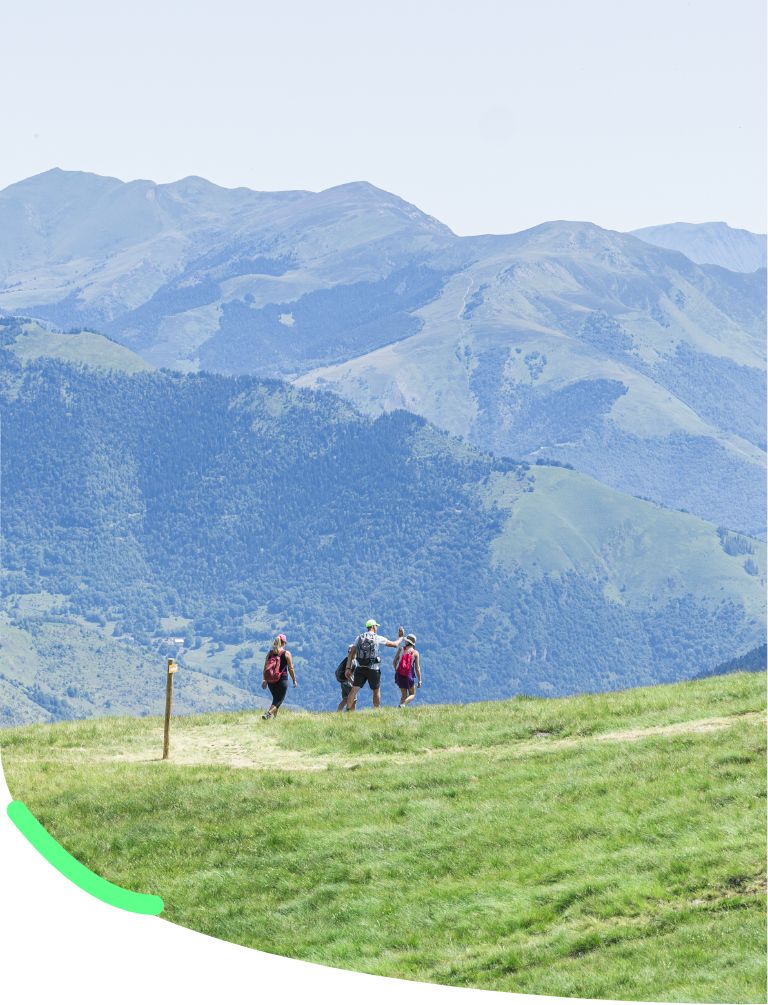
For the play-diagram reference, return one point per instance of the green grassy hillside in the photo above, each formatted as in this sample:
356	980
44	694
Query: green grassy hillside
573	523
31	341
600	846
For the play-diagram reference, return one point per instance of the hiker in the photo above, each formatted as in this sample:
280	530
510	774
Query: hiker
278	663
366	652
407	664
344	677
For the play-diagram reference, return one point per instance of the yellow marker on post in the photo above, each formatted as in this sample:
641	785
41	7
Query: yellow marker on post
172	668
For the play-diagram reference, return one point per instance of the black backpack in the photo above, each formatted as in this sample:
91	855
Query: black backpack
341	671
367	649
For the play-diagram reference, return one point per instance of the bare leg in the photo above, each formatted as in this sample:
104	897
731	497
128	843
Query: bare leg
403	696
377	698
343	703
411	695
352	698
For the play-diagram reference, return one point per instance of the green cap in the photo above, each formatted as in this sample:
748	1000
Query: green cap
370	623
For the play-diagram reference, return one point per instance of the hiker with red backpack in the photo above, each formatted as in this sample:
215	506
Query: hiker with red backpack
278	663
407	664
366	652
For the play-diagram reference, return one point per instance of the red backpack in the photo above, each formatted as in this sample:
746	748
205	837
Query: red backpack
273	668
405	666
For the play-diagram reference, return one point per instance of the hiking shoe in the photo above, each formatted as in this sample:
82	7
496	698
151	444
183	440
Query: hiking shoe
267	715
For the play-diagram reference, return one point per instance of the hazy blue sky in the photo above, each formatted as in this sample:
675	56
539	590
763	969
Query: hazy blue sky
492	115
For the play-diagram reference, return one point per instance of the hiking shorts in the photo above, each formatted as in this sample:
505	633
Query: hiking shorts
346	687
370	674
279	690
404	682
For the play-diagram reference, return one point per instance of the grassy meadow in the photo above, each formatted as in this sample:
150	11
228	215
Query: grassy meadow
607	846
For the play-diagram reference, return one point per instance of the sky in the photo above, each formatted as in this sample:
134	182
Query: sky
492	115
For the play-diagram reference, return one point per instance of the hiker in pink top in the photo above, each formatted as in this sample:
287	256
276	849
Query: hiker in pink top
407	666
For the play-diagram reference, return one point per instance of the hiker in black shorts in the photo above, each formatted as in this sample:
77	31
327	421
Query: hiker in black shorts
278	663
366	652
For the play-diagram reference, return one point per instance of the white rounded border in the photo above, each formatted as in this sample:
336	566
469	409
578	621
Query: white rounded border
61	945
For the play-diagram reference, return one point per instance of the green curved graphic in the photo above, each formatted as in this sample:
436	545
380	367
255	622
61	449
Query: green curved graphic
51	850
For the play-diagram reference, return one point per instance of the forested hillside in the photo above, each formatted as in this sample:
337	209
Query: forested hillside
140	506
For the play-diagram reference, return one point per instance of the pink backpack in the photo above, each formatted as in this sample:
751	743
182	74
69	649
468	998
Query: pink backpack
273	669
405	666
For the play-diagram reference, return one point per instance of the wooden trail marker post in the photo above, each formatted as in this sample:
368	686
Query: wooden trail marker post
172	668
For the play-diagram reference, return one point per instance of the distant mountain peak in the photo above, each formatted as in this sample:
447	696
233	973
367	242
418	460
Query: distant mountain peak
57	177
687	225
365	194
569	236
713	243
357	186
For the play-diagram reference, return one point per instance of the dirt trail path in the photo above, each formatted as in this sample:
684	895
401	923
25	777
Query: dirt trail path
249	745
244	745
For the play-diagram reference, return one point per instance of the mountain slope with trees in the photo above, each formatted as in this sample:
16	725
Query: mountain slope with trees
141	506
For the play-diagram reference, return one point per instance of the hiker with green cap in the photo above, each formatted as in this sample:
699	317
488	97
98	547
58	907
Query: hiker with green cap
366	652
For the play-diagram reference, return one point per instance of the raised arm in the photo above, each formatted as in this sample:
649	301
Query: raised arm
394	644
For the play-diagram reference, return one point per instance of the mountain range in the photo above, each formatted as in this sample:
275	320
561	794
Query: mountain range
629	361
